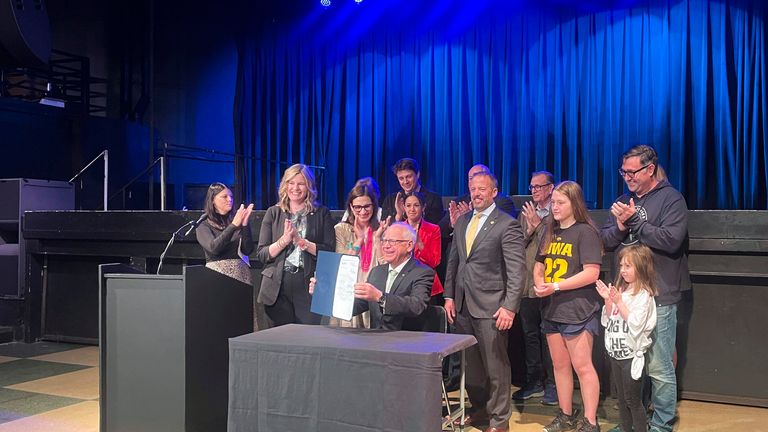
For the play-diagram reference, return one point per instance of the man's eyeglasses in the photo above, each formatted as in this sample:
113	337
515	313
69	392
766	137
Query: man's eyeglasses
359	208
392	242
631	174
536	188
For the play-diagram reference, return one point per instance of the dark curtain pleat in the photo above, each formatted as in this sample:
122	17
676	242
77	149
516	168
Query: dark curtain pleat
525	91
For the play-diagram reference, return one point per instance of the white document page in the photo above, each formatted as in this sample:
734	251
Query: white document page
344	294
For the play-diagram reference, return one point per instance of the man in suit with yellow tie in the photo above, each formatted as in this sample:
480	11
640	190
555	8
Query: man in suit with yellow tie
483	288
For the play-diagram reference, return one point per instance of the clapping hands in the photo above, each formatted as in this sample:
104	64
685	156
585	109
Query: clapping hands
400	206
242	216
622	212
360	231
383	225
455	210
608	292
532	218
289	233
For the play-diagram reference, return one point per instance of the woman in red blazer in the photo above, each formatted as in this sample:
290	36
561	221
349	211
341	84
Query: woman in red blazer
427	249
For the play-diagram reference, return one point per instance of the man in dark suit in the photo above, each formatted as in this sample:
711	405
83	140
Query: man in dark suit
399	289
408	176
484	284
460	206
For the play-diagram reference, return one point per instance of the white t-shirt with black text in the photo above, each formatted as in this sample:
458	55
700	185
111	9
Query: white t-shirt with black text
629	339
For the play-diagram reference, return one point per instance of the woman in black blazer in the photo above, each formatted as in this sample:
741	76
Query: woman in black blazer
292	232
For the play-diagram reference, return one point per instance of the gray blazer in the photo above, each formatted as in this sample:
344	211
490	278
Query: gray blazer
408	297
494	272
319	231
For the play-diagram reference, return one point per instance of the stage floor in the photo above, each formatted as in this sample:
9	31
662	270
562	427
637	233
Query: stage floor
49	386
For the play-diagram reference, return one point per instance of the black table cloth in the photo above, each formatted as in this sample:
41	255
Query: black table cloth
317	378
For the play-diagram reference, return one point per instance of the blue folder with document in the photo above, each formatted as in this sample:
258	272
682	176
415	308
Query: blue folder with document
334	293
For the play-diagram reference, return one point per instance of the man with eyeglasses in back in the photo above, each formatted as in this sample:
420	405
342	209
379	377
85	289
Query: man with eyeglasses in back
655	214
396	290
539	376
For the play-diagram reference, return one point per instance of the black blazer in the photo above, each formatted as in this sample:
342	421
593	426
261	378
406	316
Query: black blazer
408	297
319	231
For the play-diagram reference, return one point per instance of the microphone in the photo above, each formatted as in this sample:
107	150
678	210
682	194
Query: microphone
196	223
192	225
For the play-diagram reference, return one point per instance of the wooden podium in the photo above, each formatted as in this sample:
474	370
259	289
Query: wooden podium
163	342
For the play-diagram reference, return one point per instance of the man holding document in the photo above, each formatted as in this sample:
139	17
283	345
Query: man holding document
398	289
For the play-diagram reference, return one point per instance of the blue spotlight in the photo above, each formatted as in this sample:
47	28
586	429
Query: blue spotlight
325	3
358	1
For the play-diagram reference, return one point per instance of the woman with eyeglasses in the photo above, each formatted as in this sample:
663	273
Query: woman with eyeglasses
360	235
371	183
428	248
292	232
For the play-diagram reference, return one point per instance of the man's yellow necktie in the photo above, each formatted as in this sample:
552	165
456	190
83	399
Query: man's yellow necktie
472	231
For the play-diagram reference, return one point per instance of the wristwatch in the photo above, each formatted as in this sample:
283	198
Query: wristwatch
556	287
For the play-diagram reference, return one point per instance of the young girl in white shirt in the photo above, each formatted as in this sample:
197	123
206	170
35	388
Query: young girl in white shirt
629	316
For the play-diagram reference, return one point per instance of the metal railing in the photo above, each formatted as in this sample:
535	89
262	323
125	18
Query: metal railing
105	154
124	189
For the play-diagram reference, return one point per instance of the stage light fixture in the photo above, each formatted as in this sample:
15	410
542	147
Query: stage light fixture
358	1
53	97
325	3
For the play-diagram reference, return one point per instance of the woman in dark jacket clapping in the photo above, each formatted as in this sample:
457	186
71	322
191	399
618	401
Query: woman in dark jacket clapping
225	235
292	232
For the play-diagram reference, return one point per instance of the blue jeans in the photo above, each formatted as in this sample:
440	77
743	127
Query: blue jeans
538	363
661	369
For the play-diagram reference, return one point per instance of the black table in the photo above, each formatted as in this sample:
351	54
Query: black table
317	378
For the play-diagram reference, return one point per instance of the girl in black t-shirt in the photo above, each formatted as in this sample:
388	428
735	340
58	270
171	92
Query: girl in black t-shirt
568	264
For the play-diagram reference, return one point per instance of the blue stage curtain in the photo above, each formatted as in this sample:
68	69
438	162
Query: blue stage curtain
352	89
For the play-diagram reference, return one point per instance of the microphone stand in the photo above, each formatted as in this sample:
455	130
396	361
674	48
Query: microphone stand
190	224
